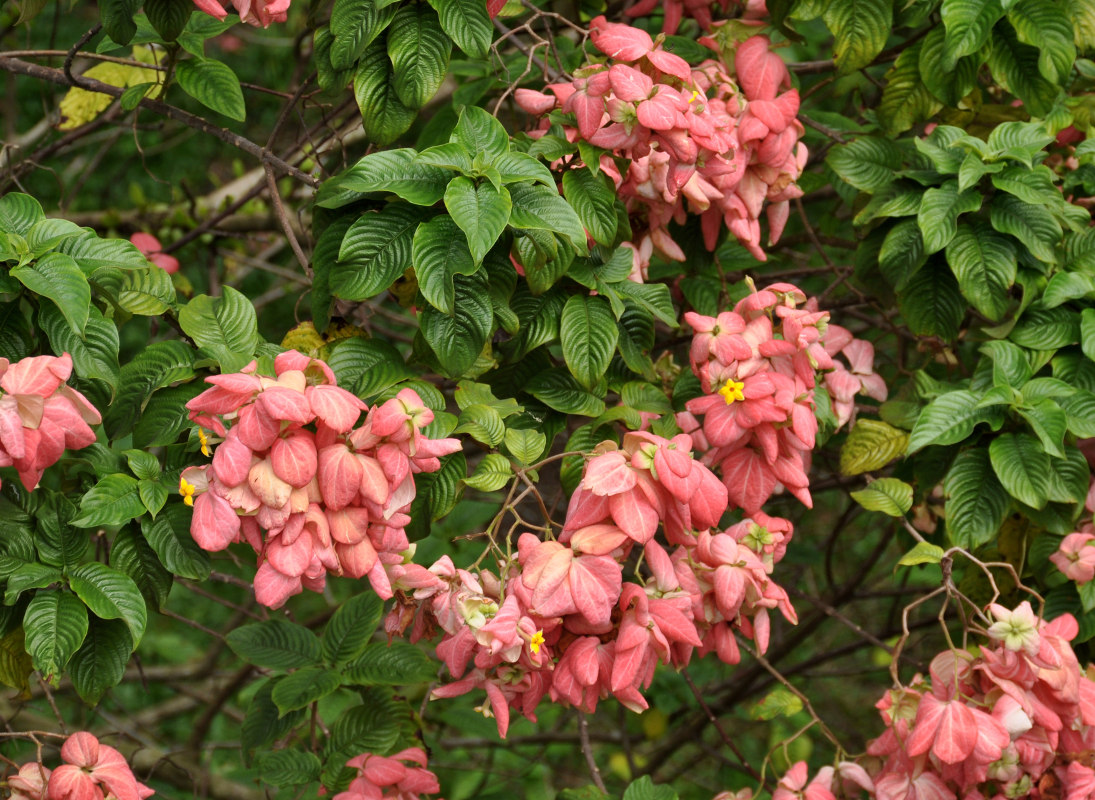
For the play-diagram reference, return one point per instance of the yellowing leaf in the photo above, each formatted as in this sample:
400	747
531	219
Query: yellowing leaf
923	553
79	106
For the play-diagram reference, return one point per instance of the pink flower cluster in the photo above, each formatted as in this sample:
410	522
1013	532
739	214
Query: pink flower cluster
92	771
253	12
390	777
300	481
693	142
700	10
562	621
1076	555
150	246
758	367
41	415
1018	720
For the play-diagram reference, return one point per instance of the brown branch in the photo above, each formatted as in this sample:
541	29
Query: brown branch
58	77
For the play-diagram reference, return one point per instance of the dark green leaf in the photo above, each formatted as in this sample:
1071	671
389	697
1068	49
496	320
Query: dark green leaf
275	644
351	627
214	85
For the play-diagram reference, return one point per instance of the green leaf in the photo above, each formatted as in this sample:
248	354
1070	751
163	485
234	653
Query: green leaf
304	687
226	327
100	662
483	423
289	767
652	297
148	292
375	251
948	80
355	24
525	445
644	788
902	252
367	366
169	537
779	702
871	445
896	200
888	495
1033	225
968	24
397	664
905	100
143	465
984	263
860	28
1069	478
491	474
540	208
214	85
57	277
95	354
950	418
275	644
976	502
153	494
1015	66
922	553
59	543
1044	24
117	18
383	115
869	163
46	234
517	167
932	302
131	554
370	727
1022	467
1080	411
1010	366
55	625
588	334
165	416
351	627
419	51
389	171
939	212
466	21
19	213
111	594
480	134
558	390
1046	329
482	212
91	253
594	202
113	500
458	340
262	724
1049	423
439	251
29	576
168	17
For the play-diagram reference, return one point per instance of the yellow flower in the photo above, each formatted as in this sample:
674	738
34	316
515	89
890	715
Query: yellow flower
537	641
732	390
205	443
186	489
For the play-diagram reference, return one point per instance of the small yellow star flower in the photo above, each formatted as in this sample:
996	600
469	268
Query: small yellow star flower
186	489
537	641
205	443
696	95
732	390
